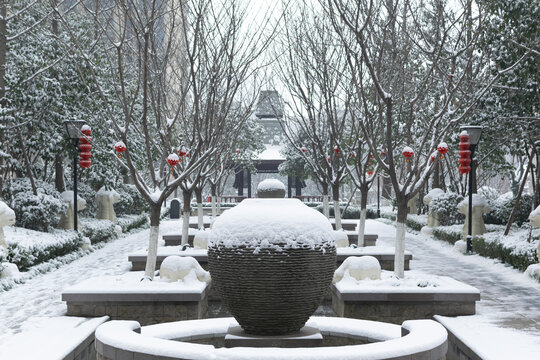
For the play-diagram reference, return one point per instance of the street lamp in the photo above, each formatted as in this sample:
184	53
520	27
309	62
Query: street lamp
378	196
475	132
73	130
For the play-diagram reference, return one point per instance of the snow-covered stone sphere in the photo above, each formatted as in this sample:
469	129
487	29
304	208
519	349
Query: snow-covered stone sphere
461	246
7	217
9	271
342	240
359	268
177	268
200	240
271	188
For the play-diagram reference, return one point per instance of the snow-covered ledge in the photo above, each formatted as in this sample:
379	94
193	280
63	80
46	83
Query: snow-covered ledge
415	339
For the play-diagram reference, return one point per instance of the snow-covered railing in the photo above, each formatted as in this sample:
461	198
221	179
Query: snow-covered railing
414	339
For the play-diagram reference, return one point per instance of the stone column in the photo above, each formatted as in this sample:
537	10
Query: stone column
433	218
479	207
105	200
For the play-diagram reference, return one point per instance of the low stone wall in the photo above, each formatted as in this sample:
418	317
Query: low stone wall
145	308
347	226
398	307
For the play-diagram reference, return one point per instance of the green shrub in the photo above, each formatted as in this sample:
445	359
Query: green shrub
497	250
129	222
131	201
501	208
99	230
36	212
416	222
448	234
25	256
445	205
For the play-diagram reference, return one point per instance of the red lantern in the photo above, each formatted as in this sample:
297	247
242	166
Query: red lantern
303	149
237	151
182	151
383	154
173	160
336	150
86	130
464	153
408	153
442	148
120	147
433	156
352	155
85	164
370	172
85	147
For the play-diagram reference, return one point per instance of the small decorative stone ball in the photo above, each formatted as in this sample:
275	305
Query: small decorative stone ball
177	268
200	240
342	240
460	246
271	188
359	268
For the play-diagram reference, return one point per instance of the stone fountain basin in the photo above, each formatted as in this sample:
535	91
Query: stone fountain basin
414	339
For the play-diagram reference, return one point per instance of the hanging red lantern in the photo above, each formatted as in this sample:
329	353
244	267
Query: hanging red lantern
303	149
408	152
85	147
442	148
336	150
237	151
182	151
370	172
464	153
173	159
120	147
433	156
383	154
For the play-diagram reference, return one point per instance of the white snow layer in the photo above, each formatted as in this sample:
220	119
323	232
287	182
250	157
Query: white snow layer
270	184
477	200
272	224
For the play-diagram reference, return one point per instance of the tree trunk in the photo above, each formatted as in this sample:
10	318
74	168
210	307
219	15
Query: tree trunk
326	210
200	212
214	210
27	163
152	241
185	224
59	173
337	211
518	199
399	256
363	206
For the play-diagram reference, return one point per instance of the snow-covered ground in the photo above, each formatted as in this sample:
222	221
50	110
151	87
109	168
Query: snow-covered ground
510	300
41	296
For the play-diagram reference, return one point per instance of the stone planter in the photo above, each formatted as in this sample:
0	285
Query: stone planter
271	260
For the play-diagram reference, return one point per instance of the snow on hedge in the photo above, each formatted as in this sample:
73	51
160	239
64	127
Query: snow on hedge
272	223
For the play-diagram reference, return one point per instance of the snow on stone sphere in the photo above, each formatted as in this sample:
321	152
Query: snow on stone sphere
342	240
182	268
461	246
200	240
358	268
271	188
272	224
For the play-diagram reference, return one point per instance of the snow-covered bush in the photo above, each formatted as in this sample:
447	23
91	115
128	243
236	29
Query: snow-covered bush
445	206
86	192
37	212
129	222
32	250
98	230
131	201
450	234
501	208
351	212
488	193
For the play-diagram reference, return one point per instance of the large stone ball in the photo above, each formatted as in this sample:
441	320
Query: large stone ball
271	188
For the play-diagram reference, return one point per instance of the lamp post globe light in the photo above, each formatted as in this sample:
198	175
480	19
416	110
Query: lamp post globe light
73	131
475	132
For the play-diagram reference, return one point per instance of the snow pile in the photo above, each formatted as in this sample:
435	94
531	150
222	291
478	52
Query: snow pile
104	192
535	217
270	184
9	271
414	281
342	240
358	268
272	224
67	196
432	194
182	268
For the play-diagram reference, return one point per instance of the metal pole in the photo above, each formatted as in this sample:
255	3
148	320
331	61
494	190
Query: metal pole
471	174
75	227
378	196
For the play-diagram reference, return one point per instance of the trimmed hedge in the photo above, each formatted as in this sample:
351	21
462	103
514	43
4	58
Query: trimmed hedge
448	234
130	222
497	250
99	230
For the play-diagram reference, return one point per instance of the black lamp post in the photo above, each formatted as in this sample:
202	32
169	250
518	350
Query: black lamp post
73	130
475	132
378	195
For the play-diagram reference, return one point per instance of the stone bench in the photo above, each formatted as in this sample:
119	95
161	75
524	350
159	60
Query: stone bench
400	304
147	306
176	239
64	337
195	225
369	239
347	225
